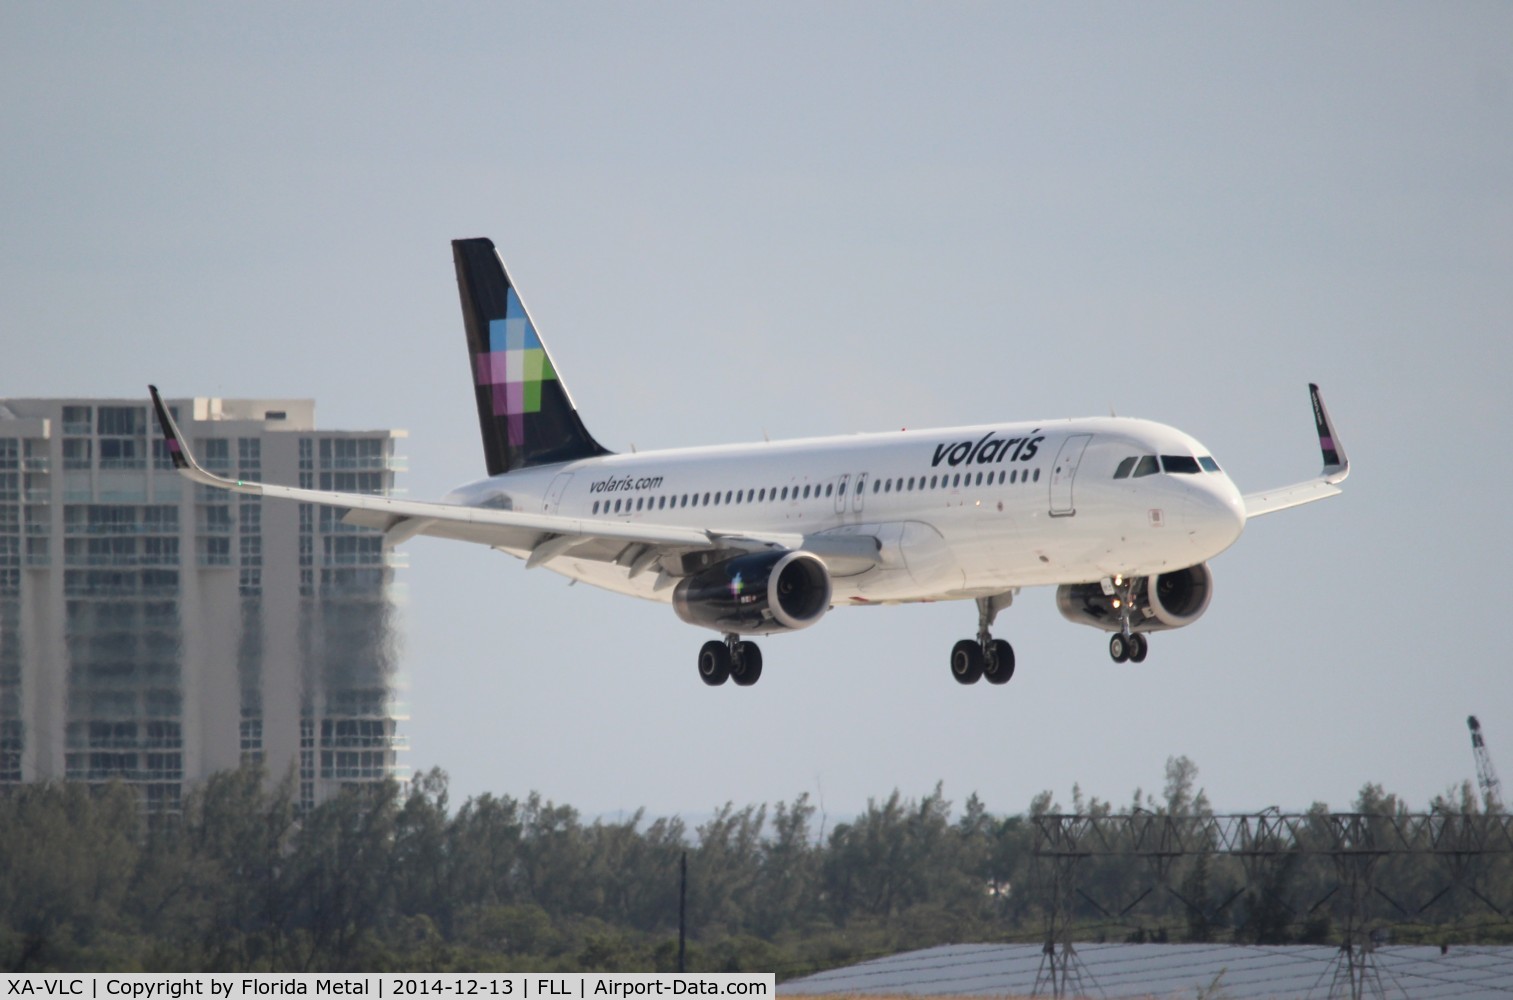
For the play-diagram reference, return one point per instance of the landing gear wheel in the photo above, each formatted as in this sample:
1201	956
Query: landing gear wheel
1139	645
746	664
1119	647
999	667
714	663
966	661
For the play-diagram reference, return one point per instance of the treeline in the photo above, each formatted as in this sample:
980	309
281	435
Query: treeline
396	879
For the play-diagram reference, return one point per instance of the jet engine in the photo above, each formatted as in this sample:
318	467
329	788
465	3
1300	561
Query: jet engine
1170	600
756	594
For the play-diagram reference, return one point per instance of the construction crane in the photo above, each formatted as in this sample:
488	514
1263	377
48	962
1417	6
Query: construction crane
1486	775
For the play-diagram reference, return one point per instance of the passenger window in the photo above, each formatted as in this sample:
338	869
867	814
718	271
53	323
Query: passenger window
956	480
706	499
829	489
762	494
1037	475
727	497
596	506
877	484
979	479
1208	463
1145	467
842	488
685	501
1182	465
1125	467
785	493
806	493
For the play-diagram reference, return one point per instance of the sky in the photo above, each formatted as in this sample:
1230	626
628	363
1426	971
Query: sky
789	219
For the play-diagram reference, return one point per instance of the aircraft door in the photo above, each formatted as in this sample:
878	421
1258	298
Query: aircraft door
555	491
1064	471
840	493
859	496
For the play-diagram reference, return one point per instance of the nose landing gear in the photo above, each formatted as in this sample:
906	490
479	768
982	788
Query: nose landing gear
1132	647
1126	644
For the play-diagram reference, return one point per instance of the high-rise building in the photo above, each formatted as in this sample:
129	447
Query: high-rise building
153	631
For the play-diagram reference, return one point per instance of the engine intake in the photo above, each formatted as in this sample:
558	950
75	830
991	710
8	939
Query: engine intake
1170	600
756	594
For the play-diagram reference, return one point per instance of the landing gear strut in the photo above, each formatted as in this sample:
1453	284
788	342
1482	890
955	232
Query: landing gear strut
984	656
730	659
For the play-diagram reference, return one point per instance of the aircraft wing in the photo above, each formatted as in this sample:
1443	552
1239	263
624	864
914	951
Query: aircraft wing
1326	484
538	537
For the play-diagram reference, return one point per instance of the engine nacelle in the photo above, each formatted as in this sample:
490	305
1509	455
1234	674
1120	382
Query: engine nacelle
1170	600
756	594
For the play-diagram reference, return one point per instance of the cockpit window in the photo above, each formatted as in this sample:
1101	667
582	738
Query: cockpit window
1146	466
1208	463
1125	466
1182	464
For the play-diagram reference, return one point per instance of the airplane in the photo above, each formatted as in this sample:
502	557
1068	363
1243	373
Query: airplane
1120	515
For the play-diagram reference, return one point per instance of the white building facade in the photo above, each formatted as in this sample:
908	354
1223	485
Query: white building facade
154	632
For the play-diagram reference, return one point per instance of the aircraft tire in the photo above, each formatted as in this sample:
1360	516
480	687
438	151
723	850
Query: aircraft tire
1118	647
1003	663
966	661
714	663
1139	646
746	668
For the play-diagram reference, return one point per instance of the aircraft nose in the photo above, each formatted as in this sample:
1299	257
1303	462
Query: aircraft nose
1215	515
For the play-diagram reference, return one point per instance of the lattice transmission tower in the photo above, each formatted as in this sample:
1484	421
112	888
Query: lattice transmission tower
1486	774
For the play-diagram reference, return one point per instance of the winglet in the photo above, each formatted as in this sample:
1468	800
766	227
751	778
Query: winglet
172	439
1336	465
183	459
1336	468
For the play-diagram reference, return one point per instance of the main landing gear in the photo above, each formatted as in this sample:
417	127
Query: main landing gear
985	656
730	659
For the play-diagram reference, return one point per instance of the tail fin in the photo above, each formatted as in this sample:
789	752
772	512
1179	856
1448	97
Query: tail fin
524	409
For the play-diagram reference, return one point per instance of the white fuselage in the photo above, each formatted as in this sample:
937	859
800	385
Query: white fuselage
961	512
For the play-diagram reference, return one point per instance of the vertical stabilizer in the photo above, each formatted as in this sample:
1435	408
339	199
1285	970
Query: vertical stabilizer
524	410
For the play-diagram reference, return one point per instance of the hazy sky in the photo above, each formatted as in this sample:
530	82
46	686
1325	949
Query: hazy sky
797	218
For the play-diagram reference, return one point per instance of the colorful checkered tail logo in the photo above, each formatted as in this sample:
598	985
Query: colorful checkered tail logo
524	410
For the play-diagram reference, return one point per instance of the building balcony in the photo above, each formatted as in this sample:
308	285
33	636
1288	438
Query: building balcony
377	463
395	742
